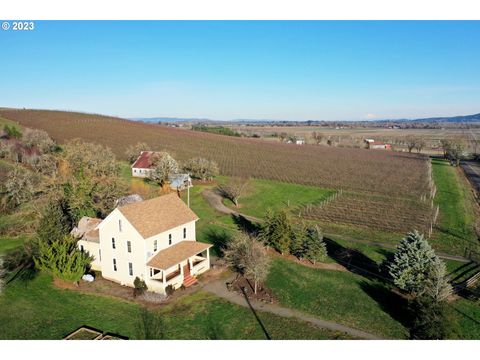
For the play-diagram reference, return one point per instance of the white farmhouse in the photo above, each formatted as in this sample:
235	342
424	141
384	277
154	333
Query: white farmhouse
152	239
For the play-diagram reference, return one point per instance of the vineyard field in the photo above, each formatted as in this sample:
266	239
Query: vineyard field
380	189
382	172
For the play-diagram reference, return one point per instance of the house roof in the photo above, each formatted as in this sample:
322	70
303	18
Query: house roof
177	253
157	215
86	229
144	161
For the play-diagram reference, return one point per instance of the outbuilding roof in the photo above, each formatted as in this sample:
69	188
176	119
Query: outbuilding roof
144	161
157	215
177	253
86	229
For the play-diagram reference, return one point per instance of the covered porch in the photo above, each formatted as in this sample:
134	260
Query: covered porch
178	265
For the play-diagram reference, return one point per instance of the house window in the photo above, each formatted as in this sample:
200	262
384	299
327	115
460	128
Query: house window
129	246
113	243
169	239
134	170
120	225
155	245
99	255
114	264
184	233
151	272
130	269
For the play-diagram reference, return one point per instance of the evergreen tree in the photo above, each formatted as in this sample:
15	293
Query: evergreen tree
278	230
411	263
315	248
54	223
62	259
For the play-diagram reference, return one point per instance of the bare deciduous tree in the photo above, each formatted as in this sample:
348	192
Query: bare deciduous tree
317	137
247	256
234	189
419	144
19	186
201	168
133	151
164	166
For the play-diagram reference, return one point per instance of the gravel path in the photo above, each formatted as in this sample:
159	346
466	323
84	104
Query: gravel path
219	289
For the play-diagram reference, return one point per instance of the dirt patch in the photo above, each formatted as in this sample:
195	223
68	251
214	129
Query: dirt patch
244	287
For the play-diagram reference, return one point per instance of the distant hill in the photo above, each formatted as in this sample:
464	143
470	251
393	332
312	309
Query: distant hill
452	119
168	119
446	119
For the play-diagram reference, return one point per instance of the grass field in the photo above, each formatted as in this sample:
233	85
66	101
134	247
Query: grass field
38	310
268	194
455	230
337	296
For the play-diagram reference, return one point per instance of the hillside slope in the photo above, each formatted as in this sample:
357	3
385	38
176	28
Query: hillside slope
383	172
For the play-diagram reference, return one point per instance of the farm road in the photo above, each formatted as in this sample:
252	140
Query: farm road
215	201
472	170
219	289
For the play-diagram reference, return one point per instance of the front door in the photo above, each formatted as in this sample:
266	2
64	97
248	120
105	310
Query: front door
186	270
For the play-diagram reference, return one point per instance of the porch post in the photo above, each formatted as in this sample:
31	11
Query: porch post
208	256
164	278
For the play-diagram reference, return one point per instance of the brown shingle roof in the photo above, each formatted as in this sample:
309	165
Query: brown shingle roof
177	253
154	216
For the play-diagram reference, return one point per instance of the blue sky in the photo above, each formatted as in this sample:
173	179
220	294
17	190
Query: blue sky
324	70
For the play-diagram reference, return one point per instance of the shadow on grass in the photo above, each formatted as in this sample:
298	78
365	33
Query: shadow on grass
354	260
246	225
390	302
219	238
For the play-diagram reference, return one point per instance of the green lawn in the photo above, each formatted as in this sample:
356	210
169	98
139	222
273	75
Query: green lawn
38	310
263	194
337	296
8	243
468	315
455	229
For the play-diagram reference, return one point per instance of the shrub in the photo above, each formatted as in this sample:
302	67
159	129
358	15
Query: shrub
39	139
12	132
139	287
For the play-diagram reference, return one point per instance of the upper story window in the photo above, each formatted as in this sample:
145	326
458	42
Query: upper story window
113	243
114	264
120	225
129	246
155	245
99	255
184	233
169	239
130	269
